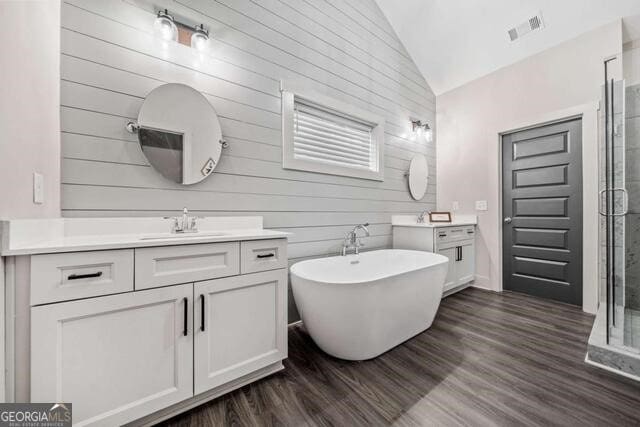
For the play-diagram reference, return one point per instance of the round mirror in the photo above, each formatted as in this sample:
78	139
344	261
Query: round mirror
179	133
418	176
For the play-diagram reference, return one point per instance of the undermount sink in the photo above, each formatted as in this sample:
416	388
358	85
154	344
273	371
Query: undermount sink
182	236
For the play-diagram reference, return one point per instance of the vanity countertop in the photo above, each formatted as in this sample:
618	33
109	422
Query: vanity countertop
39	236
412	221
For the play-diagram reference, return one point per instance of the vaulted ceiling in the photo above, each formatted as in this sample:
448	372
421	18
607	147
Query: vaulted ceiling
457	41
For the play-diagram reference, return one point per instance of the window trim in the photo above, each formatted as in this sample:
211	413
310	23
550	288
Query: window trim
309	97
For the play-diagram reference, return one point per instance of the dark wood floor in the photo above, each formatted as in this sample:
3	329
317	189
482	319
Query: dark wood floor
489	359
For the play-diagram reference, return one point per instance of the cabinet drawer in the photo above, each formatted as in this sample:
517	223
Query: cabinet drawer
171	265
263	255
454	234
67	276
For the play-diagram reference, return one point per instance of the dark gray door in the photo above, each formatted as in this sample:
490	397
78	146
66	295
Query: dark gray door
542	211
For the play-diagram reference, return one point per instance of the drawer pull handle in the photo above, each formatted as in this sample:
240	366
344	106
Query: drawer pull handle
271	255
84	276
202	312
185	328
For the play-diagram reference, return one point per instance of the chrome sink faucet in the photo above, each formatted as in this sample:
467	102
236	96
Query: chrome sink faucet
352	241
185	223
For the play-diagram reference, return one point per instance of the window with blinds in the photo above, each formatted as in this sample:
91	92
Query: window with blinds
323	139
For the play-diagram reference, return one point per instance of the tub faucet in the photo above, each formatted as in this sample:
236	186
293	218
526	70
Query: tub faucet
352	241
422	215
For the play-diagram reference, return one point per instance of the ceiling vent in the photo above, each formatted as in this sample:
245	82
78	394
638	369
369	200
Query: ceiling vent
532	24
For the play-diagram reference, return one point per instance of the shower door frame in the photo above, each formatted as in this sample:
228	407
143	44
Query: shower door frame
610	191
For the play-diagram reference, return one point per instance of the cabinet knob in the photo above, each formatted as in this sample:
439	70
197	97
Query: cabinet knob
507	220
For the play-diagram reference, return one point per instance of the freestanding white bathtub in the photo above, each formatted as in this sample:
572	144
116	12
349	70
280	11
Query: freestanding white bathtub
356	307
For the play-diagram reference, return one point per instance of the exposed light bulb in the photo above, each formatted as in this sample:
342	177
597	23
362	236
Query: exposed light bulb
429	135
421	131
200	38
165	27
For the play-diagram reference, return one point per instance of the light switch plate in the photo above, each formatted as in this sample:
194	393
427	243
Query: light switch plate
481	205
455	205
38	188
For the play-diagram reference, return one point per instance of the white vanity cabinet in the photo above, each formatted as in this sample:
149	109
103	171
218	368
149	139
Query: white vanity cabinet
455	241
115	358
138	330
250	306
457	244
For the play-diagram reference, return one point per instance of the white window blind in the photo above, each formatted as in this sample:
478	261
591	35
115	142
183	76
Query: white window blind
324	135
327	137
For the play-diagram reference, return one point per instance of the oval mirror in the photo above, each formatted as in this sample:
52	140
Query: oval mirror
418	176
179	133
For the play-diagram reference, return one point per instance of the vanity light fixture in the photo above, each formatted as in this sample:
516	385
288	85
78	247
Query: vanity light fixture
421	130
199	38
166	26
170	29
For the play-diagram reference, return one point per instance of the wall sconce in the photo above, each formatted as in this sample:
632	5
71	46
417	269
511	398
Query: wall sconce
421	130
200	38
168	28
165	26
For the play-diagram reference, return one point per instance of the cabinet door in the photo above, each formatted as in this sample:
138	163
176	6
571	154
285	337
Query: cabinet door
116	358
452	279
467	264
240	326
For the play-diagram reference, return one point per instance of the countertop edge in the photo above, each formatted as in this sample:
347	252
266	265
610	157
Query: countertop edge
436	225
132	244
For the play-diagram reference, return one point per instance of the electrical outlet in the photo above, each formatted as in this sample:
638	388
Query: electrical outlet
455	205
481	205
38	188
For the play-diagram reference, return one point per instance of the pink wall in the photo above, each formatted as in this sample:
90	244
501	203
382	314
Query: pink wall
29	107
470	117
29	117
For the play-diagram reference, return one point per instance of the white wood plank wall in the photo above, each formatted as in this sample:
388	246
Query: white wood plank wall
343	48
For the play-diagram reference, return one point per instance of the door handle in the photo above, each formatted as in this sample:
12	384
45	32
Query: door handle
185	329
625	201
600	211
507	220
460	253
202	312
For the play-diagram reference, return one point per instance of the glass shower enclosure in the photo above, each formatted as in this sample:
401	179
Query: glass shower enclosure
620	210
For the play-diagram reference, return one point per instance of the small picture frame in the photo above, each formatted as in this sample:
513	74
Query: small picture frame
439	216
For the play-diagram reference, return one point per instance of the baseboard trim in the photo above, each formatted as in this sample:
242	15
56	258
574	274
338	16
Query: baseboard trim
483	282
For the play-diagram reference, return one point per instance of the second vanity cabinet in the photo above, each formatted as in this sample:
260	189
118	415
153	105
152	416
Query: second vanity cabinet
456	242
126	333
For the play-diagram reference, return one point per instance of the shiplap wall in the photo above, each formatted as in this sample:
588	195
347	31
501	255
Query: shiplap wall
344	49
